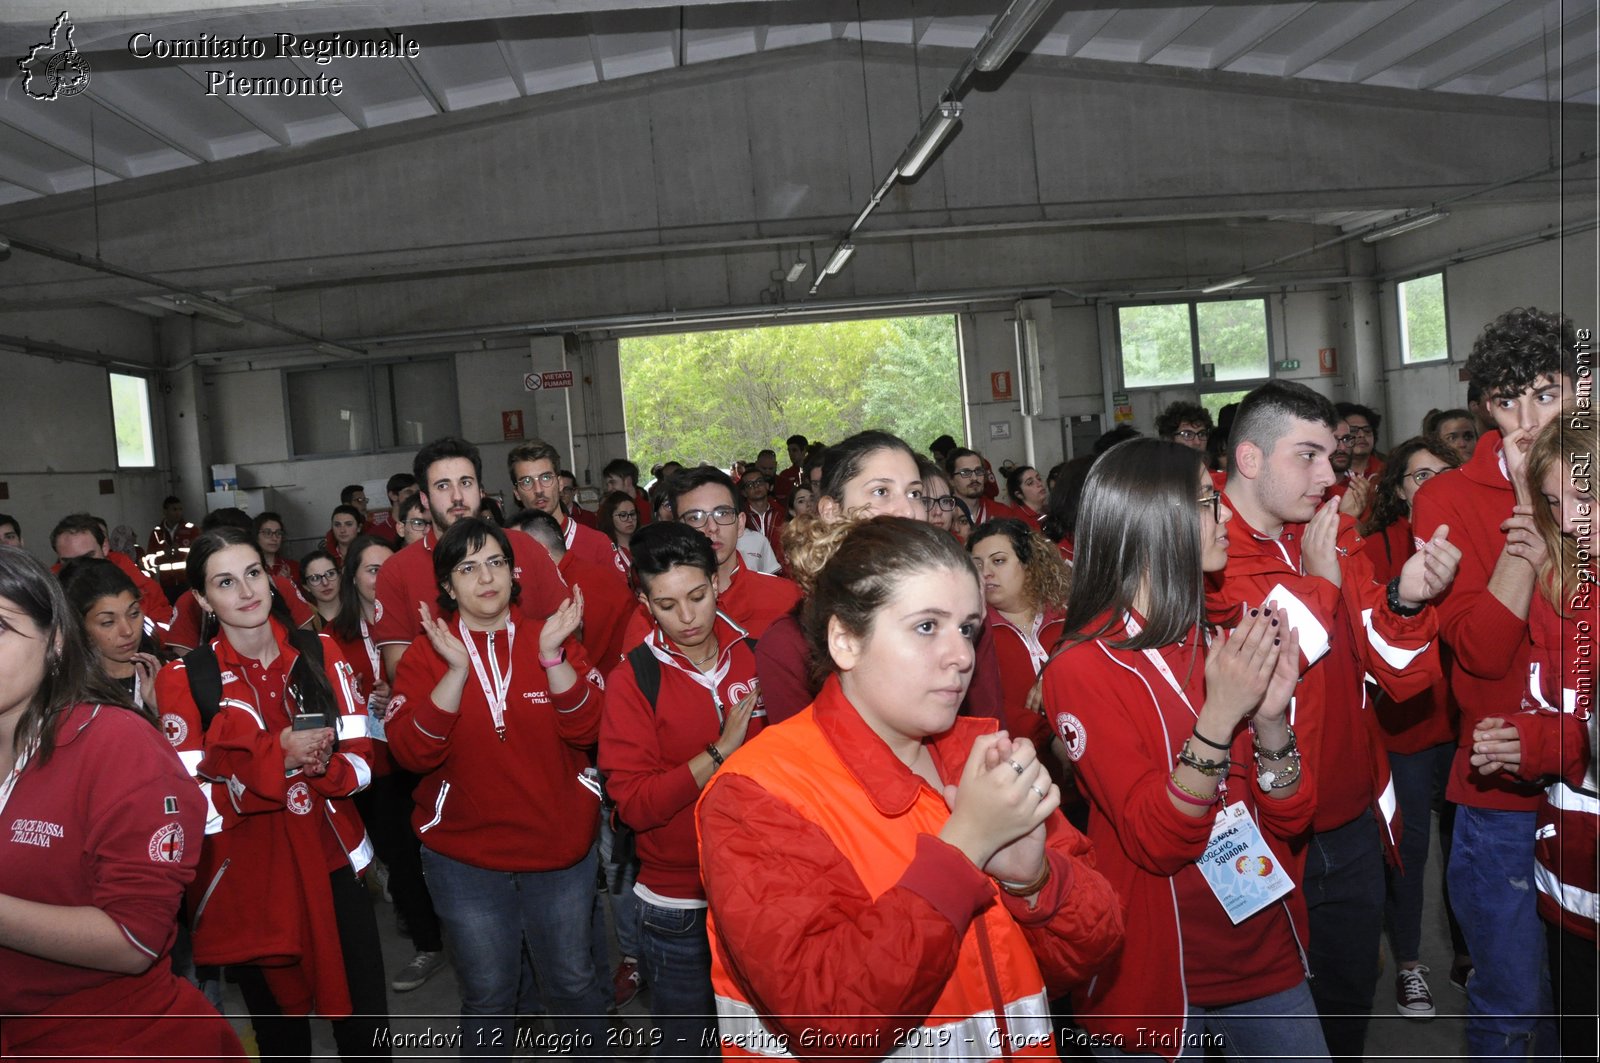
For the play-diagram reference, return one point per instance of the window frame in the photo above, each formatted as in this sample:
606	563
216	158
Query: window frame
149	418
1400	318
371	397
1196	382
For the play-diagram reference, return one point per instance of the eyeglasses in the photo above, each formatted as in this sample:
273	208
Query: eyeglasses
1361	430
418	523
544	479
1214	500
946	502
468	569
629	514
325	577
1342	442
268	533
967	474
1191	434
1422	476
752	484
696	518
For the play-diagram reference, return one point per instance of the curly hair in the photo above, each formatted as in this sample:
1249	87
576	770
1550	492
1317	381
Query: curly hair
1168	420
809	543
1520	346
1046	580
1389	505
1568	445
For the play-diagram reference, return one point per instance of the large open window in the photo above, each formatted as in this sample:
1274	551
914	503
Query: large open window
1200	343
130	418
719	397
1424	334
348	409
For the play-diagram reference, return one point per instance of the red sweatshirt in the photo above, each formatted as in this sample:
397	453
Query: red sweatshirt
1331	713
645	751
512	805
608	606
753	600
1487	641
1424	720
1123	725
1021	655
1559	742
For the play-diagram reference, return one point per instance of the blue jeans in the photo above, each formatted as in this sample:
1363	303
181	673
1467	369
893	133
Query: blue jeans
1344	900
1418	779
1280	1026
488	917
677	964
1491	886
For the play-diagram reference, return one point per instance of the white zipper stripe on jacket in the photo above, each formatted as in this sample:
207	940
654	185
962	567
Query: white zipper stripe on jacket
438	809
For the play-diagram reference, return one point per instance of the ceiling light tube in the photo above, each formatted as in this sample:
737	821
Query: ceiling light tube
936	128
209	309
841	255
1007	31
1405	226
795	270
1232	282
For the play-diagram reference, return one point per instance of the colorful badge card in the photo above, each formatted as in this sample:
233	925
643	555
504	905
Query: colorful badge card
1240	869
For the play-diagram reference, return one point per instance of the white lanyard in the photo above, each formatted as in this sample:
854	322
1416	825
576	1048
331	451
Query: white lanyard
10	782
1155	658
372	653
495	695
710	680
138	690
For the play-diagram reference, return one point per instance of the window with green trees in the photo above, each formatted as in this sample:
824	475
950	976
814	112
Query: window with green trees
1193	342
719	397
130	417
1424	336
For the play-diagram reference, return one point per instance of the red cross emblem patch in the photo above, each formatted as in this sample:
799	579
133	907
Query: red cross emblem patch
299	799
166	844
174	727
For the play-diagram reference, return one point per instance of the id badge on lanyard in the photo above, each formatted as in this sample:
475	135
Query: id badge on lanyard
1244	874
497	693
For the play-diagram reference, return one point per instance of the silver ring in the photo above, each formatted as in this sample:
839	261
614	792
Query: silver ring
1016	767
1036	790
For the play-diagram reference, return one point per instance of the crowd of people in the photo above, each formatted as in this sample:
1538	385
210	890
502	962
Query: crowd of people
882	752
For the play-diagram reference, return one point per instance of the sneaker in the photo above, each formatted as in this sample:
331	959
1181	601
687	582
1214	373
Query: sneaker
1412	997
1460	971
423	966
626	982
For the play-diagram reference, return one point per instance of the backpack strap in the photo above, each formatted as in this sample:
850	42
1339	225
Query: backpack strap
646	672
205	682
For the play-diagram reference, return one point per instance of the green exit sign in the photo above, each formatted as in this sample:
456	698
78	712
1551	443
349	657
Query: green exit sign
1288	365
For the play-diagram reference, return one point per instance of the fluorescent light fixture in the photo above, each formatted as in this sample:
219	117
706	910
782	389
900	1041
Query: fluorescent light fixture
796	270
207	308
1232	282
935	129
1007	31
841	255
335	350
1405	226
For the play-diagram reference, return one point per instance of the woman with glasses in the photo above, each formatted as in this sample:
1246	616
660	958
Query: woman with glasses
498	718
268	530
618	517
1179	735
319	575
1026	492
936	495
1419	735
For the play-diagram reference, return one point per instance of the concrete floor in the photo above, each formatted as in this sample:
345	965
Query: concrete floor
434	1006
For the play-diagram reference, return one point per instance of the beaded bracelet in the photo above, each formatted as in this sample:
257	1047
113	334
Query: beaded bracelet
1278	754
1188	796
1278	779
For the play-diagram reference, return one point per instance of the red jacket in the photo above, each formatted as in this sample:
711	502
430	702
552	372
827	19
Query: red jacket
110	821
167	552
262	895
1424	720
1331	713
1124	725
1559	742
1021	656
1488	642
645	751
511	805
769	524
589	543
608	606
842	910
989	509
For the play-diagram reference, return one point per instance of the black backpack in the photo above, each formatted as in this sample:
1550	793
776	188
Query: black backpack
307	684
647	674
